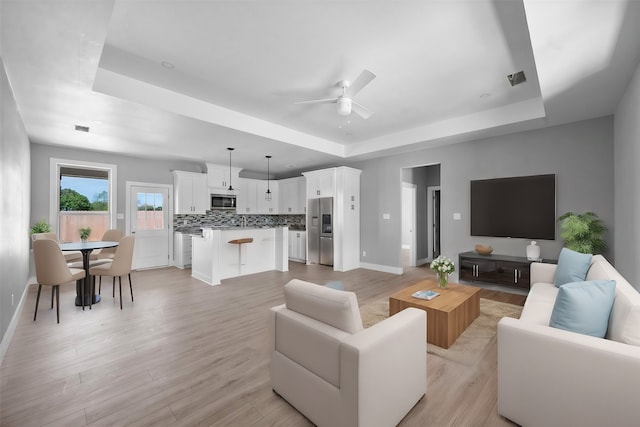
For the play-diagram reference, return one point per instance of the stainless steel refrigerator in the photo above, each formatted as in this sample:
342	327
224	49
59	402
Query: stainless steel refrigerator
320	231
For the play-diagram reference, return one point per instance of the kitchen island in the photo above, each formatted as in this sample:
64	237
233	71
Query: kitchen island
215	259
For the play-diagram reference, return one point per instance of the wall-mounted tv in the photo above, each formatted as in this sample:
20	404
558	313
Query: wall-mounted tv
523	207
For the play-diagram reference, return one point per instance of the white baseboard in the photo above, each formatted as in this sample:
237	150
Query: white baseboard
422	261
383	268
8	335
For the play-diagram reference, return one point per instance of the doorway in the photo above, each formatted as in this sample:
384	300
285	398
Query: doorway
433	221
419	214
148	219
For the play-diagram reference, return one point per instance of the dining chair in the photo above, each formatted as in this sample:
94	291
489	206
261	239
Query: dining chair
111	235
70	256
52	270
120	266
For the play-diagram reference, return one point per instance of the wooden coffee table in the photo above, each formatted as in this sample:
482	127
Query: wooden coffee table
448	314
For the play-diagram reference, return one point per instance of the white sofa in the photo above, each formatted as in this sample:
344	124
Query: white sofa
552	377
335	372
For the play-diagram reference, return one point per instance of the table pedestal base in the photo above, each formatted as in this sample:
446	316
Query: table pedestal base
87	292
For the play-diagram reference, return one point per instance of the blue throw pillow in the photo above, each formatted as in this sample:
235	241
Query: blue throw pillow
572	267
584	307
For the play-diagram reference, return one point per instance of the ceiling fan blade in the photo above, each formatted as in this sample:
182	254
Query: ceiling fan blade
361	81
360	110
319	101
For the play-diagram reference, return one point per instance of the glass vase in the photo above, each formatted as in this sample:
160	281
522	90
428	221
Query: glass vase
443	279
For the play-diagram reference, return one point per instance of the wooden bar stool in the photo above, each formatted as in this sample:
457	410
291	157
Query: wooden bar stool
239	242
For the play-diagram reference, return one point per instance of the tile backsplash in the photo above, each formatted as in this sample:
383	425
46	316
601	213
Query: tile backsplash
182	222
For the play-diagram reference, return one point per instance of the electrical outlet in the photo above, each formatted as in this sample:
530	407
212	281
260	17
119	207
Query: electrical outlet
364	253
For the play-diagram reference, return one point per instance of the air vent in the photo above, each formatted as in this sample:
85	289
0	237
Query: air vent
80	128
516	78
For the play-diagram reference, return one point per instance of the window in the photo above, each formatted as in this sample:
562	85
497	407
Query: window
83	197
150	214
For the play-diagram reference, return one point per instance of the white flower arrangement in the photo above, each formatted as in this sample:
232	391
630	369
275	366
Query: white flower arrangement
443	265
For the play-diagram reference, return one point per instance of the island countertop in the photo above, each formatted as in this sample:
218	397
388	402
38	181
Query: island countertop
215	259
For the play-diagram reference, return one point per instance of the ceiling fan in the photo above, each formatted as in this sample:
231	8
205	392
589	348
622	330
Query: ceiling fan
345	102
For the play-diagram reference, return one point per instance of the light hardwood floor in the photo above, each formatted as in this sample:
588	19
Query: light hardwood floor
186	353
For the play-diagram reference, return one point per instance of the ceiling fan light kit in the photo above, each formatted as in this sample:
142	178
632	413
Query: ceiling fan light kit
345	103
344	106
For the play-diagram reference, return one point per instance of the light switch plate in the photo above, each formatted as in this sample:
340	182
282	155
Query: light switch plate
457	216
386	216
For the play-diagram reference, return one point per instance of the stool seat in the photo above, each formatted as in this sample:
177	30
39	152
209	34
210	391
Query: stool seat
241	241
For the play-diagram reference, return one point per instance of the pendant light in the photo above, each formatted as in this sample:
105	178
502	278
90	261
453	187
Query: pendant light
230	189
267	195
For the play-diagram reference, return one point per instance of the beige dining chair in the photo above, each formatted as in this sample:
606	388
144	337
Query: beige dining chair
52	270
70	256
120	266
111	235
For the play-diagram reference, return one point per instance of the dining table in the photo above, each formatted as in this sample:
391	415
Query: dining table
86	248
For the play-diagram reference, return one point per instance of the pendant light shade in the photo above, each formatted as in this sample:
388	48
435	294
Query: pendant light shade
267	195
230	189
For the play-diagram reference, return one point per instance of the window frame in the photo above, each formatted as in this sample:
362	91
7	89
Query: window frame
54	187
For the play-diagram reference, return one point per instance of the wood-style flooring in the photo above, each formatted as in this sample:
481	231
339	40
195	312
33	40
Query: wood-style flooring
186	353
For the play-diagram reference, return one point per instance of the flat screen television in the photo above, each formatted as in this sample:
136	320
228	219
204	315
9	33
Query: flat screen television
518	207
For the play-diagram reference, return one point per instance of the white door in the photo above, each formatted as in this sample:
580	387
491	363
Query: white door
149	222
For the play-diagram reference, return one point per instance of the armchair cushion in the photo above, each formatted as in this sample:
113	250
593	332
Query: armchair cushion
333	307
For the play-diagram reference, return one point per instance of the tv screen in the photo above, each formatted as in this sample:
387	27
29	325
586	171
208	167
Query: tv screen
523	207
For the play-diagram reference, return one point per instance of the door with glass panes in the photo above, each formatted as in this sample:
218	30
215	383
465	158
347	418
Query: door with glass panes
149	222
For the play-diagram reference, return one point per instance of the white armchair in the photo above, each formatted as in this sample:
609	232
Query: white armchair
335	372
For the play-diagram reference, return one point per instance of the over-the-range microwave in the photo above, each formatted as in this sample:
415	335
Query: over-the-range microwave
223	201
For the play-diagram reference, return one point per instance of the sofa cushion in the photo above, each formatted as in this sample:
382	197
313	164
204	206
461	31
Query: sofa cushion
624	322
336	308
539	304
572	267
584	307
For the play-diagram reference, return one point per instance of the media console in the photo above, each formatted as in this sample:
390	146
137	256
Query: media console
496	269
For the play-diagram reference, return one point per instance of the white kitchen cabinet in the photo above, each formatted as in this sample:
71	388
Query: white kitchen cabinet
251	197
298	245
219	177
267	207
182	249
246	197
292	196
190	192
321	183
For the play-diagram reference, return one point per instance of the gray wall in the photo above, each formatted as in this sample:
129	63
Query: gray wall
14	209
580	154
627	182
129	169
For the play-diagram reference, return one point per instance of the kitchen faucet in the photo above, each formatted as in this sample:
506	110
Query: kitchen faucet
244	221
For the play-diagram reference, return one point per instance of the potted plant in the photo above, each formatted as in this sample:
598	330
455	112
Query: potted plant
84	233
41	226
583	232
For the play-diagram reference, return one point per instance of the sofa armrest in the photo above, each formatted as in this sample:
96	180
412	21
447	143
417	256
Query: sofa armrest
542	272
552	377
384	367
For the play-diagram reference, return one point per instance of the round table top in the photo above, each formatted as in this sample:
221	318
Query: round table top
86	246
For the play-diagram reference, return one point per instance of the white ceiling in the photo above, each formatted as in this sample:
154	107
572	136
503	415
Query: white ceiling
238	67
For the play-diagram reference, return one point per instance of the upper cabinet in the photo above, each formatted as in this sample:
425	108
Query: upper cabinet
268	207
292	196
251	199
190	192
219	177
320	183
